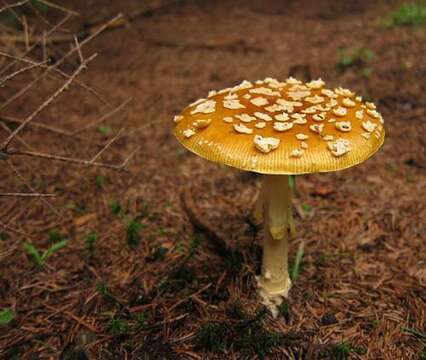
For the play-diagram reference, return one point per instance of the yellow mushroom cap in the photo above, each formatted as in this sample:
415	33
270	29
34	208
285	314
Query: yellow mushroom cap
287	127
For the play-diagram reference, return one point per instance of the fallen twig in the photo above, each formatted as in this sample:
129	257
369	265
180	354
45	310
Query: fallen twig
26	195
216	239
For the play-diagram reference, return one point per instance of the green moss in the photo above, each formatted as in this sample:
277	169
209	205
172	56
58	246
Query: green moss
115	207
90	242
117	326
212	337
133	233
6	316
245	335
408	14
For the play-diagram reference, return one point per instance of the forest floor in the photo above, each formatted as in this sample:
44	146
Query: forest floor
136	280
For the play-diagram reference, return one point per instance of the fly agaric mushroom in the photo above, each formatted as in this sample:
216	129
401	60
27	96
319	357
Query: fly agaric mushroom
280	129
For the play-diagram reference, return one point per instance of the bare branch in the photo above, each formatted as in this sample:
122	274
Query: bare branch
20	71
26	32
37	125
9	228
22	179
51	31
60	61
60	72
46	103
139	129
68	159
58	7
26	195
80	55
104	117
106	146
15	5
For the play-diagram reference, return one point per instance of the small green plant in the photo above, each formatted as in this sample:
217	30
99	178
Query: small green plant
236	311
133	233
408	14
117	326
140	321
55	236
296	268
115	207
211	337
78	208
342	351
105	292
105	130
90	242
358	57
284	310
40	258
100	181
6	316
196	241
306	208
415	333
245	334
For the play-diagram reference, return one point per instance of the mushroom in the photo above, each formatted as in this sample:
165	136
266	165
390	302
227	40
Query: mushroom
262	146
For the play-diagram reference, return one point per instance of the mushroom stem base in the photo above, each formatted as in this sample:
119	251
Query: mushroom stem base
274	282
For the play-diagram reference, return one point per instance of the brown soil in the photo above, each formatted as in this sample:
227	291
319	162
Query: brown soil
362	284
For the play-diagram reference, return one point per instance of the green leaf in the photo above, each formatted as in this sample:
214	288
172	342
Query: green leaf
55	236
42	7
54	248
6	316
100	181
415	332
306	208
35	254
132	233
91	240
292	183
105	129
409	15
115	207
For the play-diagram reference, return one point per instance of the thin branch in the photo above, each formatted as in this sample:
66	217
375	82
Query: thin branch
5	127
26	195
58	7
106	146
61	60
70	159
46	103
26	32
20	71
60	72
15	5
37	125
103	117
22	179
9	228
80	55
216	238
139	129
52	30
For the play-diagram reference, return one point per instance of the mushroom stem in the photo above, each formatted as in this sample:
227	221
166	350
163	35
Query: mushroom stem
274	281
